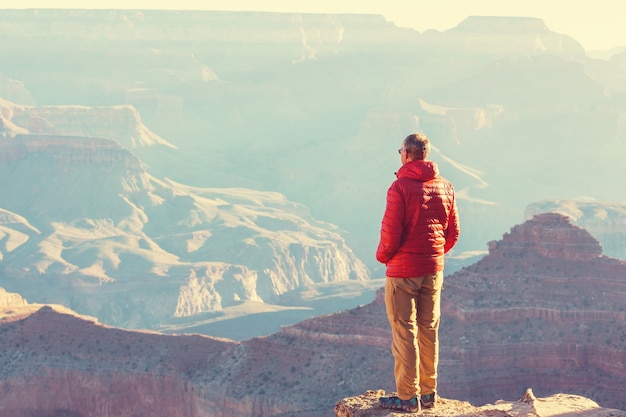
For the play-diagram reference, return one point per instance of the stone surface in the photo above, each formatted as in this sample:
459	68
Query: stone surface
528	405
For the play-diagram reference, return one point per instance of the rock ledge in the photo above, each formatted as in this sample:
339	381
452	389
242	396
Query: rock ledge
562	405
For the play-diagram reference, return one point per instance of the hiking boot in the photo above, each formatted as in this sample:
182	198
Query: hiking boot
428	400
396	404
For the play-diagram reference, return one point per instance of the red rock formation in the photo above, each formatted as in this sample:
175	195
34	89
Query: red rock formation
54	361
550	235
121	123
606	221
544	309
535	319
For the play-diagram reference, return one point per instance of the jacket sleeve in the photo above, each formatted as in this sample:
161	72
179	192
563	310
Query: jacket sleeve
454	230
391	228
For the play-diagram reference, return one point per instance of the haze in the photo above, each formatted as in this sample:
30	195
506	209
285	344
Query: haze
597	26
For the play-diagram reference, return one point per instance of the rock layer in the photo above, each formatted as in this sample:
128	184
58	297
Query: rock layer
83	224
544	309
547	320
606	221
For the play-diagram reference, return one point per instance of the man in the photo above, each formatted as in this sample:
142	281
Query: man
419	226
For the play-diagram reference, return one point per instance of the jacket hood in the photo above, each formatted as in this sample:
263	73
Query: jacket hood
418	170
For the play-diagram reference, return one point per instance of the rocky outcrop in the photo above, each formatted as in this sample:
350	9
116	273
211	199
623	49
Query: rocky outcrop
549	235
606	221
528	405
545	302
11	299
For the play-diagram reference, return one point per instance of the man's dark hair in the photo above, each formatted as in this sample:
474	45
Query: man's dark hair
417	145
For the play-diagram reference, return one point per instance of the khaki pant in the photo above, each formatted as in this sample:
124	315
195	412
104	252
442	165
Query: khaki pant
413	309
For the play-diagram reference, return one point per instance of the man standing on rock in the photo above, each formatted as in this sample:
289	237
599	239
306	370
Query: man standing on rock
419	226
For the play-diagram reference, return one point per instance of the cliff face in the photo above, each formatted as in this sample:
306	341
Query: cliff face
188	25
530	318
69	151
520	35
121	123
11	299
83	224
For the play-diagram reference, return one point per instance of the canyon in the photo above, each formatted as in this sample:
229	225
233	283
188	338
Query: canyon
177	167
544	310
316	105
85	225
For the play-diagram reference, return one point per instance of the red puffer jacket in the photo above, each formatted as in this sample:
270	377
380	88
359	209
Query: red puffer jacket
421	222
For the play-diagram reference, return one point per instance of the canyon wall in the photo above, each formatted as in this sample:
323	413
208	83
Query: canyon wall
112	231
86	225
553	321
338	92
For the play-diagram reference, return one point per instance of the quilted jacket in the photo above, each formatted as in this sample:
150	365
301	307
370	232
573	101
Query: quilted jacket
420	223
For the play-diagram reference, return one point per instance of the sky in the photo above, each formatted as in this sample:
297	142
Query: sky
598	25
